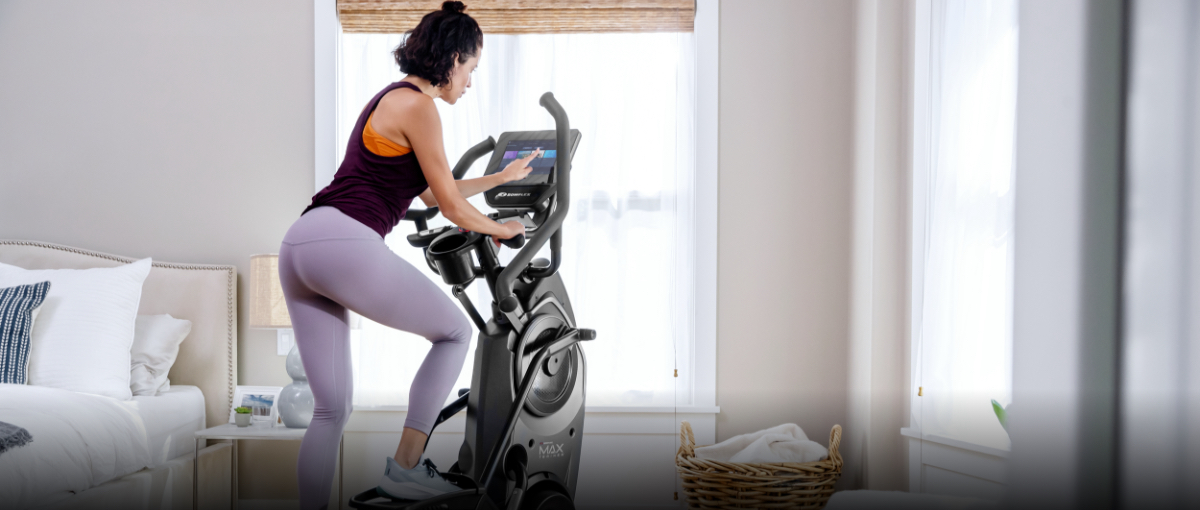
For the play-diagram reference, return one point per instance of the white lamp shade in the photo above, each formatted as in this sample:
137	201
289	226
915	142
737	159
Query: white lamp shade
267	307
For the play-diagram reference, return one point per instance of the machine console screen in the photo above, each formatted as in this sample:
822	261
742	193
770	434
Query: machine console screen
517	149
524	194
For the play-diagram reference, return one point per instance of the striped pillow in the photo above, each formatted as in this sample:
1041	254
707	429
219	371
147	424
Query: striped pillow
16	323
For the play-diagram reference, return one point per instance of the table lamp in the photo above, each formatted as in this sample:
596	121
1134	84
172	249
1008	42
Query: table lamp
268	310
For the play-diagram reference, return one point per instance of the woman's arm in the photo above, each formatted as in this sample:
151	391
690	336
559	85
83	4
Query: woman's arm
423	129
468	188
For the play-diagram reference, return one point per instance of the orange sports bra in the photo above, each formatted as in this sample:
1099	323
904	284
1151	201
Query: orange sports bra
379	145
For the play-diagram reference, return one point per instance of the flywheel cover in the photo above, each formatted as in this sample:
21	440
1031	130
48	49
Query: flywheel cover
556	378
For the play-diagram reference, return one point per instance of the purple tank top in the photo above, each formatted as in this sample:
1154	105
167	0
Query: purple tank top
375	190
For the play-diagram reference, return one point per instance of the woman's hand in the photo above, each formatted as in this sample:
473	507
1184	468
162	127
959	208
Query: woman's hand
519	168
511	229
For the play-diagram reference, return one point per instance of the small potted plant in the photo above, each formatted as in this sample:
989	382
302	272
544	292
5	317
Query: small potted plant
242	416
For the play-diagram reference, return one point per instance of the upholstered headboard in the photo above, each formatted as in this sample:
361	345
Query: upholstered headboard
203	294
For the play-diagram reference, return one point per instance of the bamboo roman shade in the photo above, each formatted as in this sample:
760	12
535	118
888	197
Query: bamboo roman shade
525	16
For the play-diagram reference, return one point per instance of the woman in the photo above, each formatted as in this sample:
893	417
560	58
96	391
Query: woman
333	258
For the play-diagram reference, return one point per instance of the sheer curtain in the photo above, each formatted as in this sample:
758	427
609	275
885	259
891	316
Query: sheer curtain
965	336
629	239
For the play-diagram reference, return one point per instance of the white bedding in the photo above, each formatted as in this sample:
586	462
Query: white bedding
170	419
82	440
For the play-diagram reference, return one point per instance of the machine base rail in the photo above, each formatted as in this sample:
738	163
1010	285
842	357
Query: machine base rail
473	499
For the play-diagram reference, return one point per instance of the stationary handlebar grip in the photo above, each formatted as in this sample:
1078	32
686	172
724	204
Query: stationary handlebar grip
514	242
548	102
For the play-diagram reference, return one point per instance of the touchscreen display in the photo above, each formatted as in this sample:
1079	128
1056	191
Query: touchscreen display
521	148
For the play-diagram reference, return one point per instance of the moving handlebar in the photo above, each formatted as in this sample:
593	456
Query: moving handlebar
468	158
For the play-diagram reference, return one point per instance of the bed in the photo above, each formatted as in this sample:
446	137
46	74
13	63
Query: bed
97	452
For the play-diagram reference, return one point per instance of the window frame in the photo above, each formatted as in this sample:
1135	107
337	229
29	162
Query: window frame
921	98
956	456
703	388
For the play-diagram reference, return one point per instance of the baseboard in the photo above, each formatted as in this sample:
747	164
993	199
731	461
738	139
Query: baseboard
268	504
291	504
630	507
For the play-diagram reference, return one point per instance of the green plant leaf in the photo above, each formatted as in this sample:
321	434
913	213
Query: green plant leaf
1001	414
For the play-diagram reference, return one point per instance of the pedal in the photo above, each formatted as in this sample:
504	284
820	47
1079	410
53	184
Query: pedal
587	334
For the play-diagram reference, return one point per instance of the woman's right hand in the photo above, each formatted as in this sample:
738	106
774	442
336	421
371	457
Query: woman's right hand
511	229
519	168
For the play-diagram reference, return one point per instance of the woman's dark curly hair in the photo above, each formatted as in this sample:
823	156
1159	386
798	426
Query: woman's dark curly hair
428	51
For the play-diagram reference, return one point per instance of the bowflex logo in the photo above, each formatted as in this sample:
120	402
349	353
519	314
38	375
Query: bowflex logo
550	449
505	194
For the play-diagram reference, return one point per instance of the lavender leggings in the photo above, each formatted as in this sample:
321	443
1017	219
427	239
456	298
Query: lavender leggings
328	263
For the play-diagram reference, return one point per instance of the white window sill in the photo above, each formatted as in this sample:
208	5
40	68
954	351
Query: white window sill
956	443
651	409
590	409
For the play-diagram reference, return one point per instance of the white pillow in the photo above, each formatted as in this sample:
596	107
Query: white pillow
82	338
156	340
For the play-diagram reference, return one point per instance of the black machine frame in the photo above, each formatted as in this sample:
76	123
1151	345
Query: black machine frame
531	340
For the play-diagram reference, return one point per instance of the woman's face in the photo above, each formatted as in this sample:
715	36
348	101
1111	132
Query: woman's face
460	78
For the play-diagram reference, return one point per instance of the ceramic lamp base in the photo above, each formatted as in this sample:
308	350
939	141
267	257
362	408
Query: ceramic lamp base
296	400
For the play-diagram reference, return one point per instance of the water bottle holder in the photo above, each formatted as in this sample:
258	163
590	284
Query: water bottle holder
451	255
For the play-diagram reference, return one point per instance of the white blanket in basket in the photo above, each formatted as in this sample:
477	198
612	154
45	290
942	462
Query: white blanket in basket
781	443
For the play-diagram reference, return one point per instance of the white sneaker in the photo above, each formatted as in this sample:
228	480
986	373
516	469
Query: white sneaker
423	481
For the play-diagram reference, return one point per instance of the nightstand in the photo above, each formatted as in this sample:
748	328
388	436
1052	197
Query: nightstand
236	433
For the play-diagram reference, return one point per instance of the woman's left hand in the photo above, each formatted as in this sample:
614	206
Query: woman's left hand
519	168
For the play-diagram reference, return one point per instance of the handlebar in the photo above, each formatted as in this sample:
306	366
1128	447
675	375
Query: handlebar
514	242
468	158
553	224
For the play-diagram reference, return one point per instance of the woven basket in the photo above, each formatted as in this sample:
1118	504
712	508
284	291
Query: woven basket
711	484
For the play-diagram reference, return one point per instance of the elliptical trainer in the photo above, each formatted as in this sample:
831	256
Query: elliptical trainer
525	406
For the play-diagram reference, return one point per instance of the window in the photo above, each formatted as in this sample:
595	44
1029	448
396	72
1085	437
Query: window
965	109
630	239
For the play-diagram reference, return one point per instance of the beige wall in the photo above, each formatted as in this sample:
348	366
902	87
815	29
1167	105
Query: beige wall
176	130
786	174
